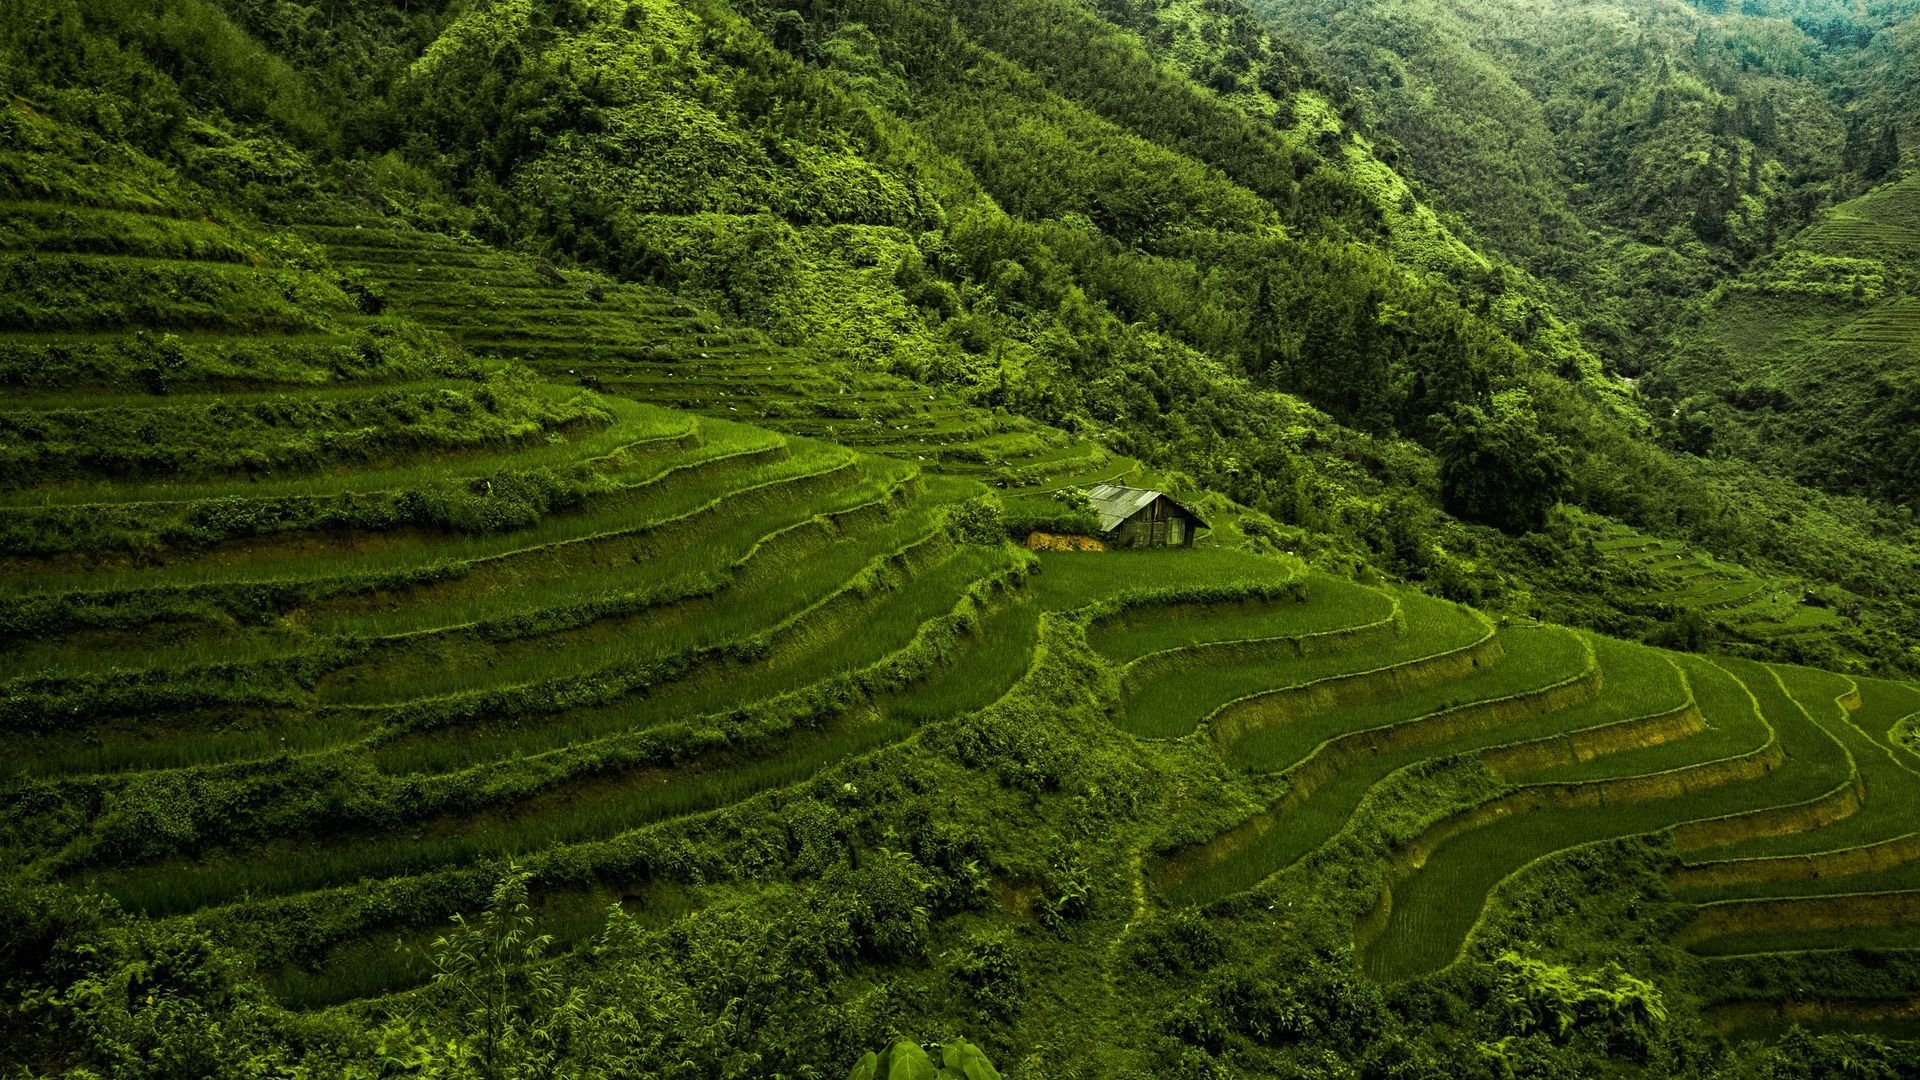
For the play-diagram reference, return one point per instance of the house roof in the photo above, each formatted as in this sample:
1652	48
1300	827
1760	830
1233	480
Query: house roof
1116	503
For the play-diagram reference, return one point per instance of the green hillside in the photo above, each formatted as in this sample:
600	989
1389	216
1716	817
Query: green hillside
1630	153
1805	363
514	566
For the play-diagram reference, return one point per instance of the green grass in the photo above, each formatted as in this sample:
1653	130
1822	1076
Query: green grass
1536	657
640	342
472	663
1175	705
554	658
296	869
1903	877
890	626
981	676
701	480
633	424
1730	731
156	750
690	788
1889	1030
195	361
276	433
1331	605
1888	773
69	292
1435	908
1069	580
1750	601
229	613
53	227
507	571
1851	938
601	603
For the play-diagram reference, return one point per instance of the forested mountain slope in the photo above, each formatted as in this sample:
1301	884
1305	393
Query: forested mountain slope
1634	153
737	750
1806	363
556	465
1172	242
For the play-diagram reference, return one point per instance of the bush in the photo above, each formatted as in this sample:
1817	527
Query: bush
991	973
1068	513
1498	467
905	1060
977	521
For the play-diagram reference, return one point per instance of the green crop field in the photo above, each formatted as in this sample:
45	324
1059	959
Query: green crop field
1179	702
1434	910
529	618
1676	577
1534	661
557	540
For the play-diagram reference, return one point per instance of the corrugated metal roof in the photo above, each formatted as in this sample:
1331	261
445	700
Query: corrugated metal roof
1116	503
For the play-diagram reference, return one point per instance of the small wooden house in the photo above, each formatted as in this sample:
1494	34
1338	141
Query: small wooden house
1139	517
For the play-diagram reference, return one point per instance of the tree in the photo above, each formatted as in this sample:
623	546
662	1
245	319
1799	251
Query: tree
1693	425
1883	156
514	1016
1497	466
1853	151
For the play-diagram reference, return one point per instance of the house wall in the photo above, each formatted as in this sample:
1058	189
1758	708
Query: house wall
1154	526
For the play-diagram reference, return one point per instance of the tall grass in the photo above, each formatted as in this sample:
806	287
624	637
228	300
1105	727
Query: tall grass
983	674
1892	785
1535	658
604	812
836	569
633	423
1730	730
535	619
1176	704
1857	939
625	515
1331	605
305	734
1072	580
259	874
1434	909
883	630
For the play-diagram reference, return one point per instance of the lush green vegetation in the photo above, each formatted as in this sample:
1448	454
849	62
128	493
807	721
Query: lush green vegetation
512	521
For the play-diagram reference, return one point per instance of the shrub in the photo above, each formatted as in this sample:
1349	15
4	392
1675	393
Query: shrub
1068	512
1623	1012
977	521
1498	467
905	1060
991	973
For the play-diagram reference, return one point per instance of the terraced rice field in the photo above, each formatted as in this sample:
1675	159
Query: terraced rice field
1897	323
318	608
638	342
435	610
1782	789
1681	578
1879	225
1854	236
1817	888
